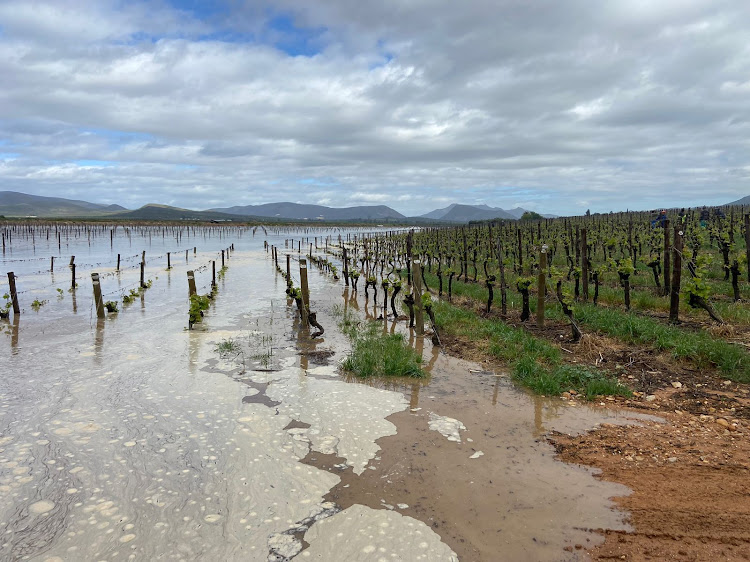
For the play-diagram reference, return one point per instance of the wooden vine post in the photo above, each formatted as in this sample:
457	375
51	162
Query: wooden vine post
346	268
667	251
143	270
541	286
98	295
305	290
520	253
191	283
13	293
674	300
408	256
419	312
585	265
747	244
503	291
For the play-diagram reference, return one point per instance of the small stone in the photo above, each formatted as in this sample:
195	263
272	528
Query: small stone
573	392
672	459
676	384
566	395
722	422
650	398
727	383
638	458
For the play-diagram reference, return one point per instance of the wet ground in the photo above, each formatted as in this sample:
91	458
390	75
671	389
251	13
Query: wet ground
133	438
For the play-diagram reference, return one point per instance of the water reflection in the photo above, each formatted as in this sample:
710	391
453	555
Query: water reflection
195	339
11	326
99	341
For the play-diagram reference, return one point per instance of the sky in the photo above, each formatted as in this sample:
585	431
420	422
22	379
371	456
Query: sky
556	106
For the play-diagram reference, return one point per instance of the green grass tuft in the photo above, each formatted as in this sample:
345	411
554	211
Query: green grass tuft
375	354
699	347
534	362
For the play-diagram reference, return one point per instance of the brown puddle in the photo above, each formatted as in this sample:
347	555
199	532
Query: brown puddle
514	500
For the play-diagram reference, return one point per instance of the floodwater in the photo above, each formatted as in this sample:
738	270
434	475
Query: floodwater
134	438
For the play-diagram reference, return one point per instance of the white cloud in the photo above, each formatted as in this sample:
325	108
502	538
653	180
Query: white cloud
618	104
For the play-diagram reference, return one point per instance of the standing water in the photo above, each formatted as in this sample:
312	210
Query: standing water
134	438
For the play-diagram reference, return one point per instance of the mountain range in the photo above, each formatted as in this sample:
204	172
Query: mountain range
298	211
14	204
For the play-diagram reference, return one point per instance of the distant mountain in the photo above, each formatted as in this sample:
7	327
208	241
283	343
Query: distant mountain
438	214
517	212
14	204
466	213
297	211
744	201
166	213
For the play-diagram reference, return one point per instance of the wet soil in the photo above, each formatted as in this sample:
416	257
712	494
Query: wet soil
498	493
690	482
689	475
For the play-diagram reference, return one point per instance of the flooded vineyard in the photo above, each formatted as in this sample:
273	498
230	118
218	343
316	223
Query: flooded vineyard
132	437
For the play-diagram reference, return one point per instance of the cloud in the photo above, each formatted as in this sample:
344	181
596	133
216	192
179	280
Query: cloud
413	104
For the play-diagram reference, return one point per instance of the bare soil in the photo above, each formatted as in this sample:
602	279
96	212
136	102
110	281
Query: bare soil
691	487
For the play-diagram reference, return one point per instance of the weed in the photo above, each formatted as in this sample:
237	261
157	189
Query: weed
111	306
263	345
37	304
699	347
534	362
375	354
228	347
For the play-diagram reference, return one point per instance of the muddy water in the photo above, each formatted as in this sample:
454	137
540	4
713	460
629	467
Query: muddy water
133	438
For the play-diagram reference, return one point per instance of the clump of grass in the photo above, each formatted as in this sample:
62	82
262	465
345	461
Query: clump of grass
227	347
375	354
698	347
533	362
262	346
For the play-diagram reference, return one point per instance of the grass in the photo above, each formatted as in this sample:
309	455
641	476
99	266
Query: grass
534	363
227	347
375	354
699	347
261	345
